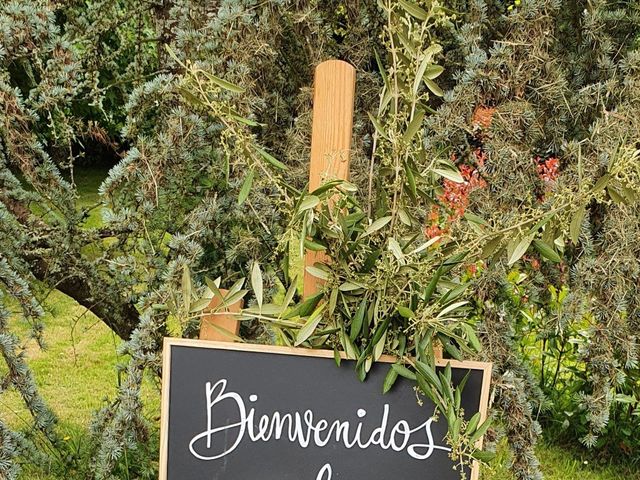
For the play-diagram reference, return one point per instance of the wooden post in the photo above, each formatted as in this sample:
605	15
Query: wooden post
333	103
213	327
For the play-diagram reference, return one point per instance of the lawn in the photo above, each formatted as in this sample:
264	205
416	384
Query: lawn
77	375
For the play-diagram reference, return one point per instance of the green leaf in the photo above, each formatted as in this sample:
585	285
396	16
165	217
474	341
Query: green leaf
517	248
411	180
246	187
475	218
546	251
576	224
404	217
453	293
269	158
256	282
333	300
433	86
266	309
446	386
389	380
629	194
349	287
378	126
313	246
420	73
225	85
246	121
305	308
223	331
326	186
336	356
428	390
482	429
601	183
424	246
214	286
473	339
309	202
236	287
356	322
173	55
200	305
394	247
377	225
405	312
232	298
190	97
378	349
453	175
310	326
473	423
290	293
491	247
381	330
414	10
615	195
429	374
350	349
453	261
431	288
318	272
484	456
451	308
383	73
404	371
452	350
455	429
433	71
186	288
414	126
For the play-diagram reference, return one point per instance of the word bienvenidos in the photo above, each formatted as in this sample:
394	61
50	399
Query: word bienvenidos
305	429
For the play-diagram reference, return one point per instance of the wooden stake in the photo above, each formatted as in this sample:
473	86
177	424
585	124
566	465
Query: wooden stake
214	327
333	102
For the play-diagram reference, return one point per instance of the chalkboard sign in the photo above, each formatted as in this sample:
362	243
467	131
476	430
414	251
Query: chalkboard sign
250	412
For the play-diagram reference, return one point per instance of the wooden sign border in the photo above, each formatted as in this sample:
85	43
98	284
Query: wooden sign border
301	352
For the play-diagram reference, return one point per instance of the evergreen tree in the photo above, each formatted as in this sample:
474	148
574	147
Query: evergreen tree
539	111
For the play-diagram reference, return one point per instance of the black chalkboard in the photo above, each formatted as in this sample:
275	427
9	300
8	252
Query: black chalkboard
249	412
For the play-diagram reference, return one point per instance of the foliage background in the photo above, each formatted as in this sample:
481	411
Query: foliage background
538	116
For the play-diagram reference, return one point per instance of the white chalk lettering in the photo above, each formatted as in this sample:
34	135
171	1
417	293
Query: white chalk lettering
302	428
326	469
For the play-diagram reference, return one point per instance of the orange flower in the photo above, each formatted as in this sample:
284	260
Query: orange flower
482	116
549	169
456	195
433	231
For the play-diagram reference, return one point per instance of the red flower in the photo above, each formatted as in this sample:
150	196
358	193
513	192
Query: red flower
454	199
480	157
433	231
549	169
456	195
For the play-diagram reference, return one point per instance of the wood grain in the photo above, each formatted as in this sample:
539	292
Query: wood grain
213	327
333	102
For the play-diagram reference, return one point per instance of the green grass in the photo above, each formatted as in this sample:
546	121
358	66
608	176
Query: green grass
88	180
558	463
77	375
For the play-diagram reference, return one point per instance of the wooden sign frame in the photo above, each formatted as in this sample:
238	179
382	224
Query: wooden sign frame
301	352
